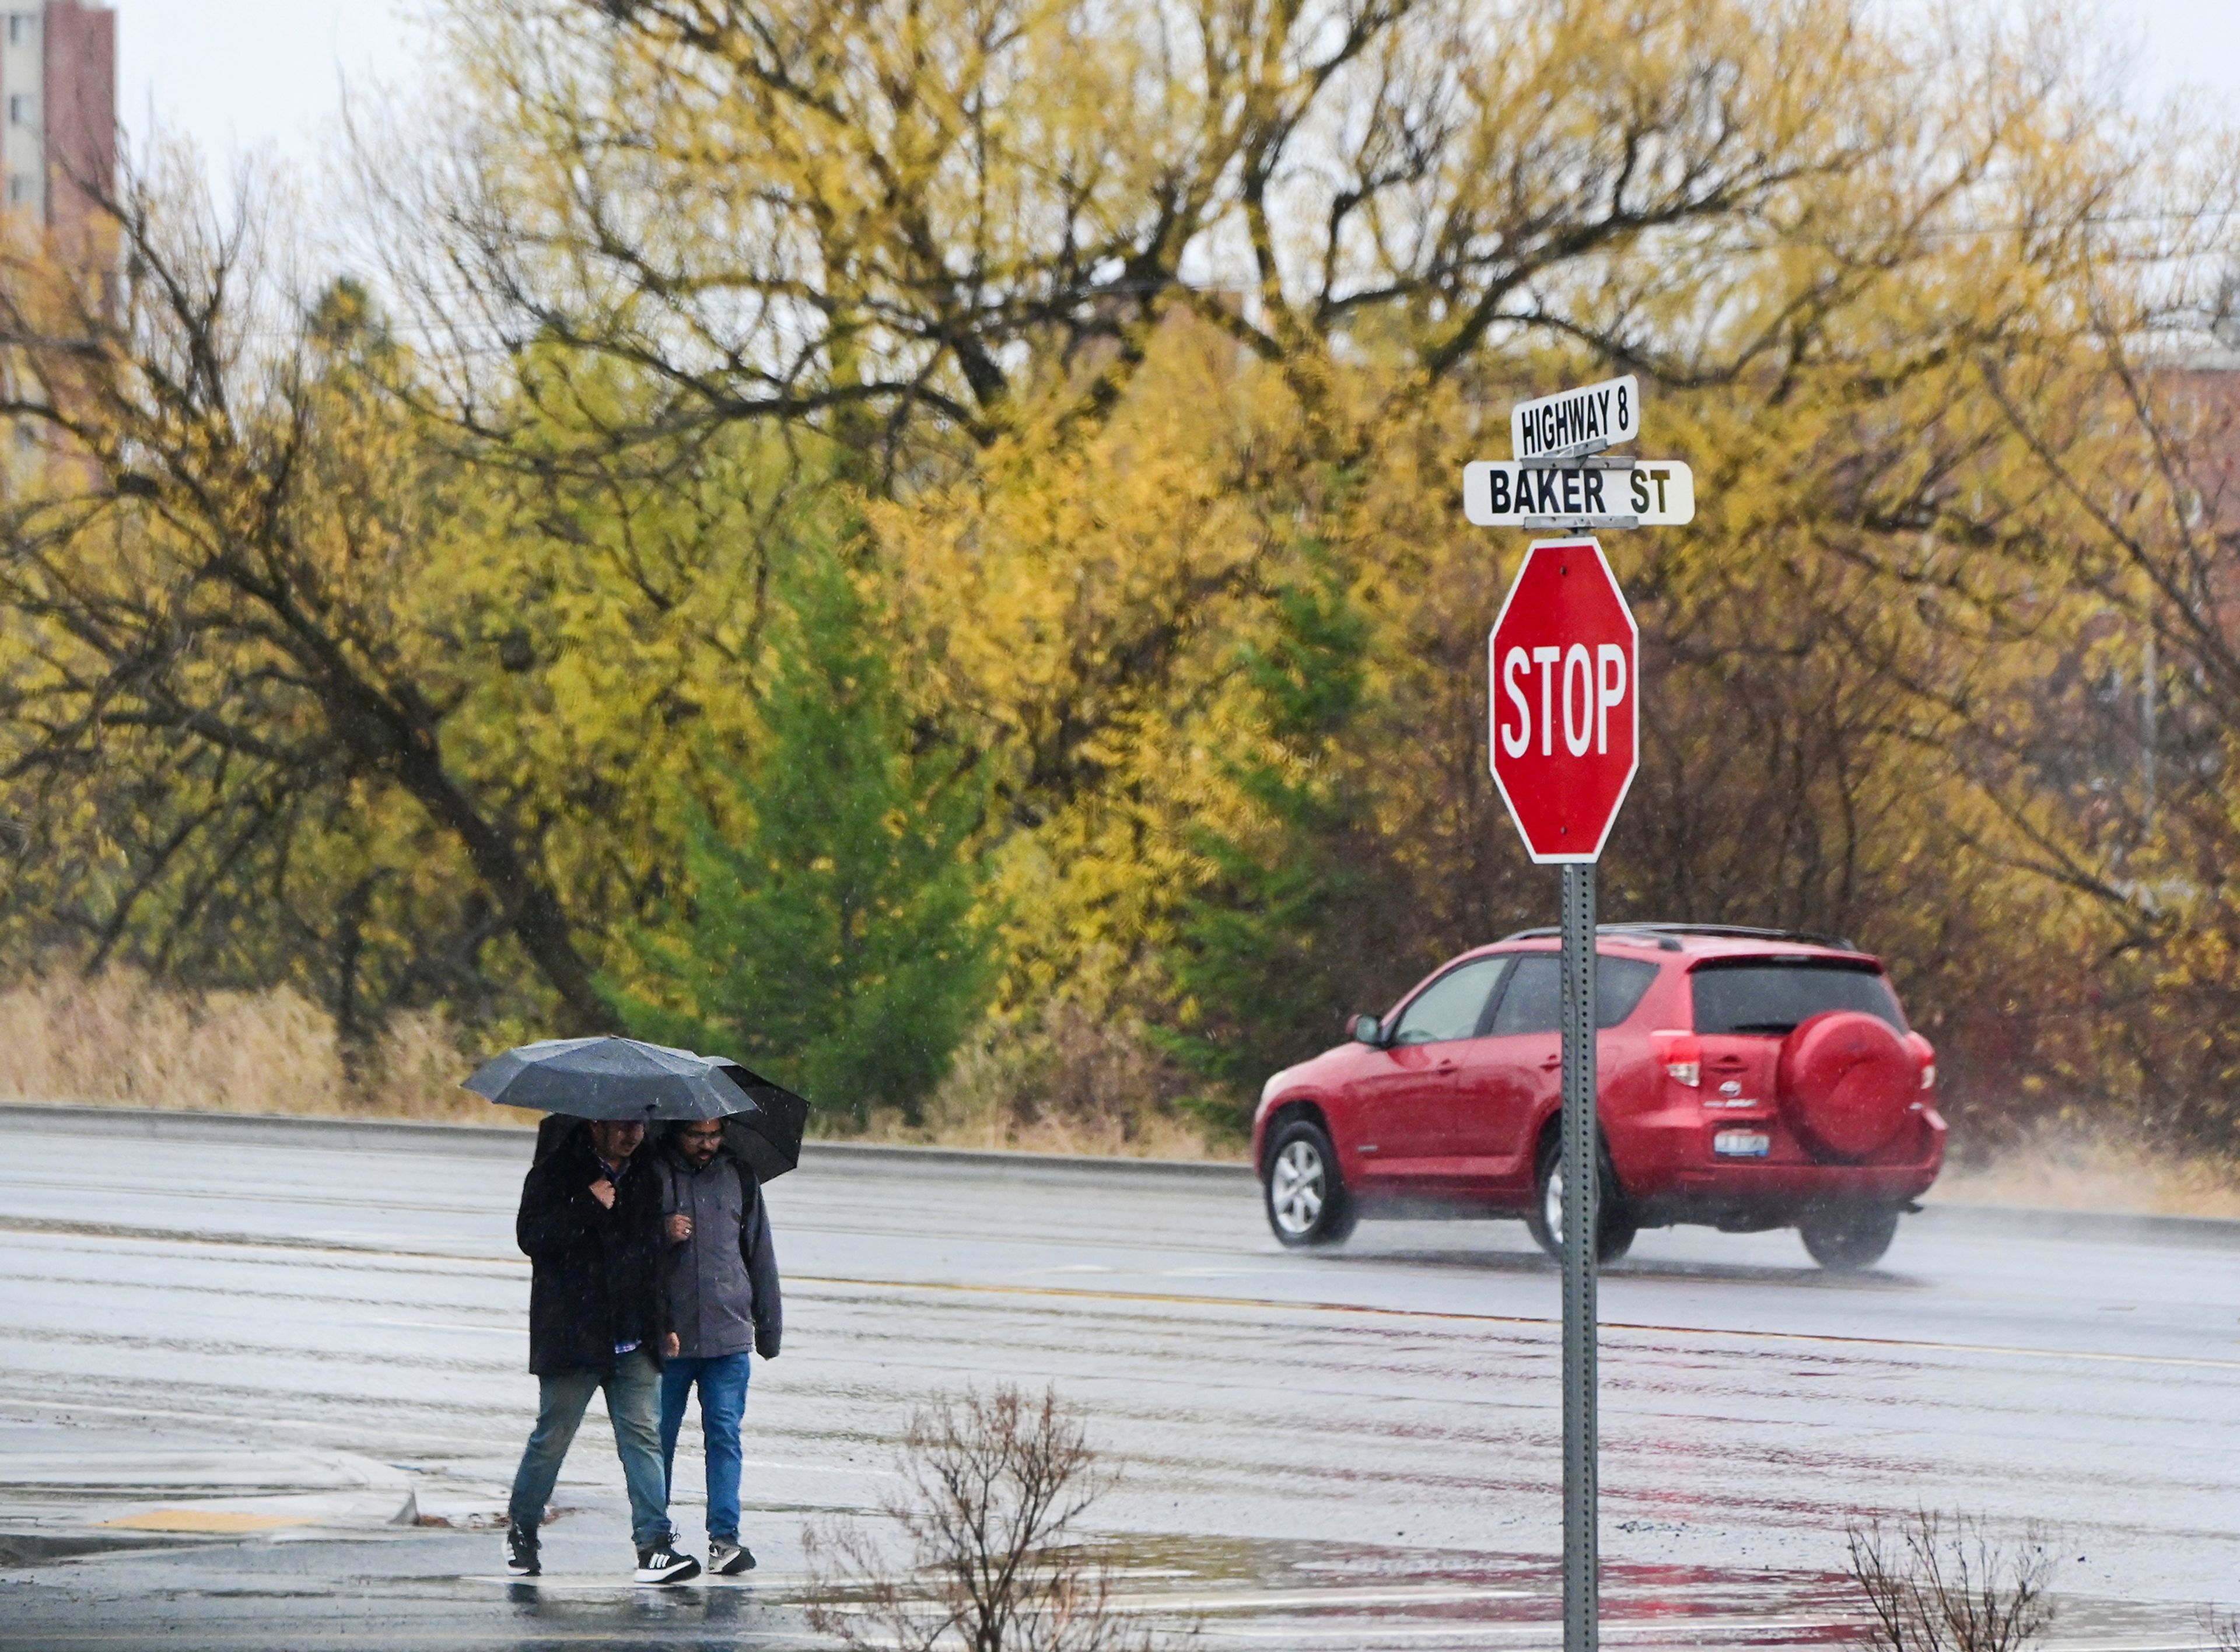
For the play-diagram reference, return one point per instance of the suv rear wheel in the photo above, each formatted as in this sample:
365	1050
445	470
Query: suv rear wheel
1307	1203
1846	1237
1614	1221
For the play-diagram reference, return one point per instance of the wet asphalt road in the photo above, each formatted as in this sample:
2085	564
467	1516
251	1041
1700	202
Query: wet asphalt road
1356	1449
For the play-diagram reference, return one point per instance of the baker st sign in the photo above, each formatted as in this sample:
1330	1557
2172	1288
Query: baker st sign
1643	493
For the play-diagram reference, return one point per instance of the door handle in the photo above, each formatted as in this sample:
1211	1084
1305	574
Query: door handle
1552	1063
1446	1066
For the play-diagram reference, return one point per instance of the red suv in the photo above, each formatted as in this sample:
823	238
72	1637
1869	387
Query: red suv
1748	1079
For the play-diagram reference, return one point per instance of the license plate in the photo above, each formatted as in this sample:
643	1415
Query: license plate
1742	1144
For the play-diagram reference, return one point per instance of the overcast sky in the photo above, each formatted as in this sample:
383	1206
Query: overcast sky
235	75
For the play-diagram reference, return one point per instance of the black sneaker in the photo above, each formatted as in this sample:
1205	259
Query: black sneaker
521	1551
727	1559
665	1565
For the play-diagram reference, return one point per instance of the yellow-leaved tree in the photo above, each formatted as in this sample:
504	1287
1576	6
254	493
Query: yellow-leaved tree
1124	359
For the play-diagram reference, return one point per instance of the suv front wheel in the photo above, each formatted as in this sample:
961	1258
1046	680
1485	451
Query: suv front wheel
1846	1237
1307	1203
1615	1226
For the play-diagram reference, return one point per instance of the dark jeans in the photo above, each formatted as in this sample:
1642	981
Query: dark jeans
723	1383
633	1406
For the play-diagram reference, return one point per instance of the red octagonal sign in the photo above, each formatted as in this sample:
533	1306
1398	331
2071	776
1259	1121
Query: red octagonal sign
1565	720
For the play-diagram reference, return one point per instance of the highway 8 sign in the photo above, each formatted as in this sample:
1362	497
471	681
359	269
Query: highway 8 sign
1586	420
1648	493
1564	659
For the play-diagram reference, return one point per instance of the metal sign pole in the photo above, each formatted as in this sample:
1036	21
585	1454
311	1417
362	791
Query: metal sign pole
1580	1221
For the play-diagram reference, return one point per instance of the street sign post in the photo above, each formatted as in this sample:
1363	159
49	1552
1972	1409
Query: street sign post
1563	689
1564	659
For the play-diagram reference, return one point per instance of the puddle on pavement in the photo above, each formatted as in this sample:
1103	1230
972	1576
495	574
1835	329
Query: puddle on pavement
1304	1594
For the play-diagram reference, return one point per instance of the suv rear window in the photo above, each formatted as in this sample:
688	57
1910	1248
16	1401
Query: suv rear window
1773	995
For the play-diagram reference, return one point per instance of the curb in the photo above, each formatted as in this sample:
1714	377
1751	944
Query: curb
512	1142
391	1135
2192	1233
1019	1163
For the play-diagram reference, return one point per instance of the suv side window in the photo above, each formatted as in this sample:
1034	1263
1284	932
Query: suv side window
1533	1003
1450	1006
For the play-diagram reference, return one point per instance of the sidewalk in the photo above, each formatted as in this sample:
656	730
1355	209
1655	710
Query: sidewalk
71	1489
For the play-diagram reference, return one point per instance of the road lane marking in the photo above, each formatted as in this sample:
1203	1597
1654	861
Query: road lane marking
1818	1338
1896	1345
333	1245
435	1325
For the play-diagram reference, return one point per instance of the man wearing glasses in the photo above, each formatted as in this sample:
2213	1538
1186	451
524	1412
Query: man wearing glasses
721	1274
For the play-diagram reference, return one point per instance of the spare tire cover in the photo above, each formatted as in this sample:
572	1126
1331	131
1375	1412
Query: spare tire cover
1846	1082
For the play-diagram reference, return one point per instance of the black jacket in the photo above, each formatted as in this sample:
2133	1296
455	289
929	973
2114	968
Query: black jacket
597	1278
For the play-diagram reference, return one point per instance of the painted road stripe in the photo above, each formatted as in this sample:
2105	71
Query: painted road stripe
1538	1321
1064	1293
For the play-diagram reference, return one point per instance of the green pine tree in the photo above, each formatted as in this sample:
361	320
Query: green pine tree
1296	921
835	947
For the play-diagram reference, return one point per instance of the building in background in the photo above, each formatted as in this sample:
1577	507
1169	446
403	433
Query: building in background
57	163
58	100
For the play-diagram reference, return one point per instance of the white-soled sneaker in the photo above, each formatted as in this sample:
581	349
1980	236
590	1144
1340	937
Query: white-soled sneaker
729	1560
665	1565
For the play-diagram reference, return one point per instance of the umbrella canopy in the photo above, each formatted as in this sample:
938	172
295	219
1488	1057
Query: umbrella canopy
768	1135
626	1078
609	1078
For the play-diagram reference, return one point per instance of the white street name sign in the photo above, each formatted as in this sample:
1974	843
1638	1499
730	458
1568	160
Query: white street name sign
1653	493
1572	422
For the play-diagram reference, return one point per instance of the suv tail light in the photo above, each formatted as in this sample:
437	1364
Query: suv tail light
1925	1053
1682	1054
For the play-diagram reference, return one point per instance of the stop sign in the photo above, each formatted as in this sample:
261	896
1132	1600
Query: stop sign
1565	706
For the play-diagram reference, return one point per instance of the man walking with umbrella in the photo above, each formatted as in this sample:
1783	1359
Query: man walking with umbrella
723	1301
591	1223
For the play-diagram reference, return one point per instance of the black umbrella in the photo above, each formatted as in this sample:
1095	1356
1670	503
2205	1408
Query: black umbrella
768	1136
625	1078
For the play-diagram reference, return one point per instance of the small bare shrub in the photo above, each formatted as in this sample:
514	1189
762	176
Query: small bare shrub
2223	1629
1945	1583
992	1484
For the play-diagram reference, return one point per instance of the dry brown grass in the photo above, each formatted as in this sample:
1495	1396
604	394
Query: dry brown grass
1062	1081
118	1040
2060	1168
1108	1136
1066	1085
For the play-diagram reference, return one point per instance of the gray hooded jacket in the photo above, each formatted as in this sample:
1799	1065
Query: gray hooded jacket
722	1282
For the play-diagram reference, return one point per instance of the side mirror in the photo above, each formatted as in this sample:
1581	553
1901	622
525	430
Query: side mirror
1367	1030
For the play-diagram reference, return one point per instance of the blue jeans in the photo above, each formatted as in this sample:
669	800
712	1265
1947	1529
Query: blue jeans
631	1406
723	1383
